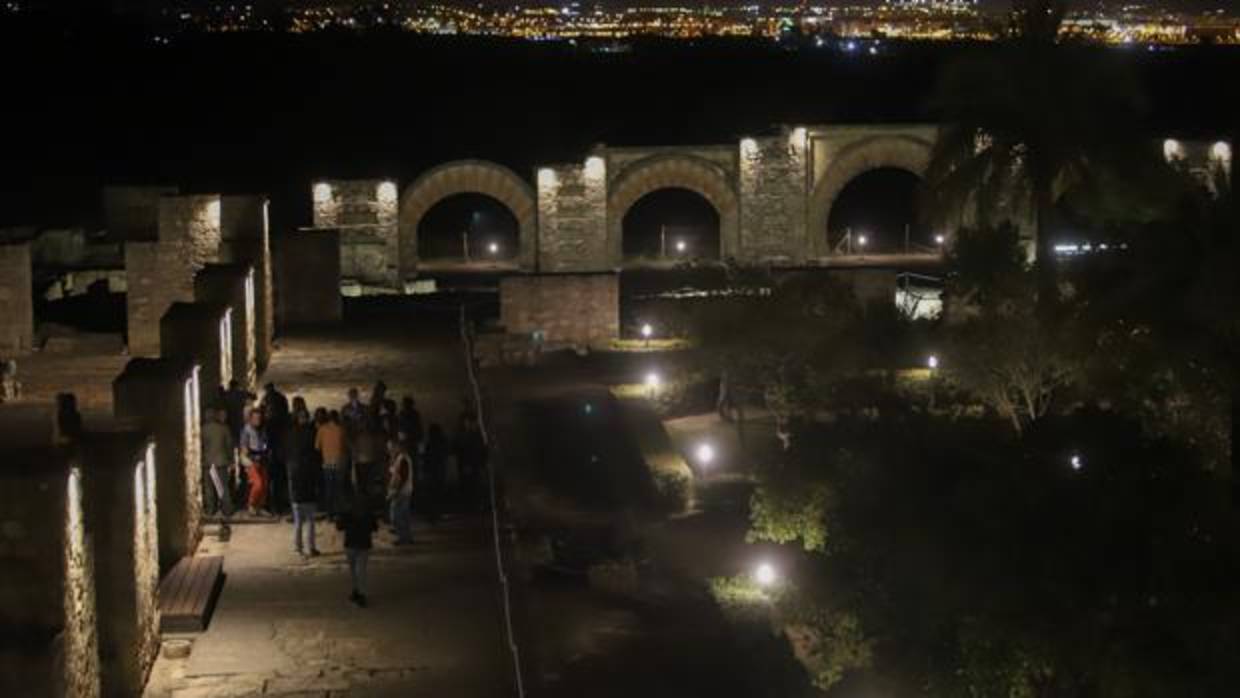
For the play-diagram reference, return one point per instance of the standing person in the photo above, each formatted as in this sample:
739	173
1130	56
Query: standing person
400	490
276	417
330	441
353	413
378	396
235	400
435	471
367	448
358	525
471	458
219	457
410	421
304	477
254	453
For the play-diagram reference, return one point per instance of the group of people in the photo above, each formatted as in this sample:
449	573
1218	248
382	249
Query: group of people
359	463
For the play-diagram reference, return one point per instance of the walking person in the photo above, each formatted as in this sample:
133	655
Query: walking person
304	478
359	526
330	442
254	454
400	490
219	459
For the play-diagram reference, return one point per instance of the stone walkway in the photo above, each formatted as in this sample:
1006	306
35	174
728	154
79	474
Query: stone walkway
284	626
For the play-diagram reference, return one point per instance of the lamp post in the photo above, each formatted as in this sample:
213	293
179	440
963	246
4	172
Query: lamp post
681	246
652	384
647	332
932	363
765	575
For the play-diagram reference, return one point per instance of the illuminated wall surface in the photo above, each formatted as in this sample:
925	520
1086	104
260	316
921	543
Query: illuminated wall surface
232	285
773	195
80	644
17	320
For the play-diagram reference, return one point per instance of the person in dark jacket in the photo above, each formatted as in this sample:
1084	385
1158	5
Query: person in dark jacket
410	421
277	417
359	526
435	472
304	478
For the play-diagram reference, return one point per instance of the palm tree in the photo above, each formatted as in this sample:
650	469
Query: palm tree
1028	121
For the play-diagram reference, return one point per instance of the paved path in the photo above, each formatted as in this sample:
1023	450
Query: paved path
284	625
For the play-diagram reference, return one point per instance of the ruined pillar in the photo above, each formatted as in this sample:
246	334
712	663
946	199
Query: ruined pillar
120	513
17	300
576	309
162	395
246	239
233	285
309	278
161	272
572	217
201	334
47	590
366	212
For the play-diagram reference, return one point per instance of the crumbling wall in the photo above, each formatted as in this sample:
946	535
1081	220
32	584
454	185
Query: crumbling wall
16	299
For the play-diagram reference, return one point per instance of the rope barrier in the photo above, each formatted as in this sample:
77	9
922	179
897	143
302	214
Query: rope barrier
505	593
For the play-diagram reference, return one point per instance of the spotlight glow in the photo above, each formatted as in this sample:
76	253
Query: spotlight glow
647	330
387	191
705	453
493	248
322	192
1076	462
653	379
764	574
939	239
595	167
932	362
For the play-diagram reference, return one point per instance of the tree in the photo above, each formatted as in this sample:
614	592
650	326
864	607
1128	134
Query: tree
1029	121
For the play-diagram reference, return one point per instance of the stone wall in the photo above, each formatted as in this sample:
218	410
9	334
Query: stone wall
120	510
773	193
132	213
246	238
47	591
572	217
16	298
365	211
578	309
201	334
162	395
162	272
308	275
233	285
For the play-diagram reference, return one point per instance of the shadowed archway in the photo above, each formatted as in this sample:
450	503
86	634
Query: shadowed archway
685	172
468	177
906	153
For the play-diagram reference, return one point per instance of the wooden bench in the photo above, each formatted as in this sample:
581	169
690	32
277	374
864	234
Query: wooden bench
187	594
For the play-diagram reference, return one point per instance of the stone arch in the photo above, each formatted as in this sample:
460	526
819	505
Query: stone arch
468	177
678	171
901	152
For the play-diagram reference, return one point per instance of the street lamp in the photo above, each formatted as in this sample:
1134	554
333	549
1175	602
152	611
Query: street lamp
705	453
1076	461
681	246
764	574
932	362
493	248
939	240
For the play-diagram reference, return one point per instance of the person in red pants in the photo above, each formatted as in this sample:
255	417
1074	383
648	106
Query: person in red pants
254	453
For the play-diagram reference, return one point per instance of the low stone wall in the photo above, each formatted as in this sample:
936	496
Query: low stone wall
579	309
16	289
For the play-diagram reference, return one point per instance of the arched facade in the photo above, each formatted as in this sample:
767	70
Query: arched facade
669	171
468	177
899	151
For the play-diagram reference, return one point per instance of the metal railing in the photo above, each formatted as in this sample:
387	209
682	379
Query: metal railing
505	591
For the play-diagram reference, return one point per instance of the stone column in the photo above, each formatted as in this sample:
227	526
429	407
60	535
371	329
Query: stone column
120	507
366	212
233	285
162	396
309	278
572	217
48	592
201	334
246	239
17	300
774	191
